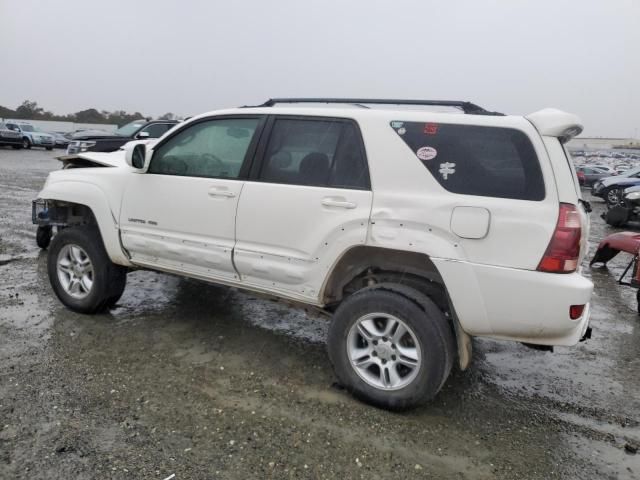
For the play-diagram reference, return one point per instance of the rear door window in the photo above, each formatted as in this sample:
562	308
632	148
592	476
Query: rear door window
476	160
315	152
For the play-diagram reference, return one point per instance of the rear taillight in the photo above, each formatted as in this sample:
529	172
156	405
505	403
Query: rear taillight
564	248
575	311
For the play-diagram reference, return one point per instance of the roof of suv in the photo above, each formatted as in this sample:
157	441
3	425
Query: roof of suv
548	121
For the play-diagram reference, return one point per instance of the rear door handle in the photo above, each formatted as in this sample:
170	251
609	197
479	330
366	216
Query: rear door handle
332	202
220	192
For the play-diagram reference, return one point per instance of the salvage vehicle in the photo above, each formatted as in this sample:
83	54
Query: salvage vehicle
10	137
136	130
610	189
413	230
31	135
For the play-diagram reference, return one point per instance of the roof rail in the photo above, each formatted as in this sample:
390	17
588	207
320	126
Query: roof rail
466	107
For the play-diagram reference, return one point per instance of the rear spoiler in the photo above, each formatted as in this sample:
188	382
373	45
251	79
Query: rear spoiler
556	123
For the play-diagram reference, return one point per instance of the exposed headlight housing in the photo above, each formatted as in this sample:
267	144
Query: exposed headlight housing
633	196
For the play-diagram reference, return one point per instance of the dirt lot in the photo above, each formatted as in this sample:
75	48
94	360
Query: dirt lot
203	382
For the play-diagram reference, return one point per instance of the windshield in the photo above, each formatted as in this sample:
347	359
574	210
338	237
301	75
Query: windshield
129	129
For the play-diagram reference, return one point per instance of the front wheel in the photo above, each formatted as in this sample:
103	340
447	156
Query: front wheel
48	148
391	346
26	143
613	196
81	273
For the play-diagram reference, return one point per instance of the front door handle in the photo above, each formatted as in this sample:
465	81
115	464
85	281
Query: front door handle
220	192
332	202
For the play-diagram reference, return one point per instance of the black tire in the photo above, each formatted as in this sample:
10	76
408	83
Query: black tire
617	216
109	279
43	236
26	143
613	197
48	148
16	147
432	331
638	300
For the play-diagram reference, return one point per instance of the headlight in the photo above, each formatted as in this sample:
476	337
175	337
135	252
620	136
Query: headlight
633	196
84	146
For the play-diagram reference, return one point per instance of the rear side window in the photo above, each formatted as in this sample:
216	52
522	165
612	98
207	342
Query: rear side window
315	152
476	160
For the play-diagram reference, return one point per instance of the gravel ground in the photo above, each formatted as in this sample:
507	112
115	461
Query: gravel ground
204	382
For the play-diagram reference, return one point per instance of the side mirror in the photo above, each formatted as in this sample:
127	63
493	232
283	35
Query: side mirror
143	135
135	154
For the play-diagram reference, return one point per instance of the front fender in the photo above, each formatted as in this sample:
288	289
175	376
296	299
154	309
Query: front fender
93	197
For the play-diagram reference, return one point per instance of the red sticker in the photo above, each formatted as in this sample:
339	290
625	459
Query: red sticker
430	128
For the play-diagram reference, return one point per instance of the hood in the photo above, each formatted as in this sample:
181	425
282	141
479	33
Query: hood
620	180
94	159
97	136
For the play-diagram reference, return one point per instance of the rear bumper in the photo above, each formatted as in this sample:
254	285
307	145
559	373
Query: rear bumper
520	305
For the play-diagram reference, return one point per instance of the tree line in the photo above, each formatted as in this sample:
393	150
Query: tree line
30	110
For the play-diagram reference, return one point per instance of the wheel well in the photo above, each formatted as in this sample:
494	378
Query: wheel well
361	267
65	214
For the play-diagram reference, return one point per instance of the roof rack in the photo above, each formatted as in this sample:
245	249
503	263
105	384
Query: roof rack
466	107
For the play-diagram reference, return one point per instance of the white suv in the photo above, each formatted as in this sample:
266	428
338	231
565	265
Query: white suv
415	230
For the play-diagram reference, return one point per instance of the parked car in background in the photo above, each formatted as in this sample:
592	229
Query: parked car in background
610	188
136	130
60	140
31	135
592	174
10	137
413	230
621	168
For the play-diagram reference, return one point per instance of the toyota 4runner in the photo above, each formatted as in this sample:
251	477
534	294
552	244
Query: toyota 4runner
414	230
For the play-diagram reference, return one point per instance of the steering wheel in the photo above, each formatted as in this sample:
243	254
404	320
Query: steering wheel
210	157
210	164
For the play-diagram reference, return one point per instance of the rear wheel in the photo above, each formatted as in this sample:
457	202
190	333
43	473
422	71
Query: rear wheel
81	273
48	148
391	346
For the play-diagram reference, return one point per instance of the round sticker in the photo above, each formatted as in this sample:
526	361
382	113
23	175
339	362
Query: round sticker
402	131
427	153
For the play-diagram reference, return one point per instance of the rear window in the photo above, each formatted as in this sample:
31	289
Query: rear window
476	160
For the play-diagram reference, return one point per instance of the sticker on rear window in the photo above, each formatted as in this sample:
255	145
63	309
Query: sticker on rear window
427	153
402	131
396	124
430	129
446	169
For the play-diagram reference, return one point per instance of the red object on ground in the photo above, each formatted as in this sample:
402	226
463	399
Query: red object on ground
615	243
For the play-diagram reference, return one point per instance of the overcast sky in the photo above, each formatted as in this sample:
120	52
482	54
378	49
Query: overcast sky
187	57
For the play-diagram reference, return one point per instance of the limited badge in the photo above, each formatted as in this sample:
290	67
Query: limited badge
427	153
402	131
447	169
